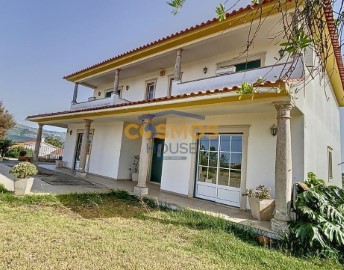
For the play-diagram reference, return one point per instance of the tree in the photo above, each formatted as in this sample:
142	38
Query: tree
55	141
5	145
6	120
307	26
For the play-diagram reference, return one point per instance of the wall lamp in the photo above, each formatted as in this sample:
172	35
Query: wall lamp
281	53
274	130
205	70
127	87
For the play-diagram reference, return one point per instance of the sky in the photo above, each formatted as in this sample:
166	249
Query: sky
41	41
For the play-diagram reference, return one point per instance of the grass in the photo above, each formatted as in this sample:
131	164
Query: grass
3	189
118	231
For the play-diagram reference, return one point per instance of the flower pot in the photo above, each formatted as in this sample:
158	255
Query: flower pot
23	186
134	177
59	163
262	209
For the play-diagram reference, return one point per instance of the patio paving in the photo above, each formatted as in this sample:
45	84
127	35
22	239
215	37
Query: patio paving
51	182
57	183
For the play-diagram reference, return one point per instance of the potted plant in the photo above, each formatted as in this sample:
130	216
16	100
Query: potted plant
261	203
23	173
135	168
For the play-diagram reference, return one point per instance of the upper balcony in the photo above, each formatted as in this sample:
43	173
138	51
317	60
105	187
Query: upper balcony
227	77
93	102
232	78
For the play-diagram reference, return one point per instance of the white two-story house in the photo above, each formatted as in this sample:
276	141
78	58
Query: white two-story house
175	103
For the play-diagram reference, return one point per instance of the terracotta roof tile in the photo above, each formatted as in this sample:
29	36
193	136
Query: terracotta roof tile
334	37
328	14
155	100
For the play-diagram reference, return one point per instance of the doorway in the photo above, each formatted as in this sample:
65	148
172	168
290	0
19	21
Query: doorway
219	165
157	160
78	150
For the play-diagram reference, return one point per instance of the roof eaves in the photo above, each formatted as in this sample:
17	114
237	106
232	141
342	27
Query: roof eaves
161	99
334	38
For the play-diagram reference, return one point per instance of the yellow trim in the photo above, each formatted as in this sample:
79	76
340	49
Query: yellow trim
332	69
161	106
178	41
335	79
333	72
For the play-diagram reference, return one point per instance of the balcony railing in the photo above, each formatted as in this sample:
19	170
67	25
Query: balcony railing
113	100
269	73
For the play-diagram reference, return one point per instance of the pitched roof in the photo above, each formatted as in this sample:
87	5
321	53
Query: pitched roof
177	34
334	37
57	152
328	14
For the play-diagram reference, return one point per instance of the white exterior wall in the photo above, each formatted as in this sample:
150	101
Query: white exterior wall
260	156
321	128
137	86
129	148
298	145
105	150
104	159
69	145
194	70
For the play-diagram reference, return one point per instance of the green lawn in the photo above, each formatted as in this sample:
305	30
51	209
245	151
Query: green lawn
105	232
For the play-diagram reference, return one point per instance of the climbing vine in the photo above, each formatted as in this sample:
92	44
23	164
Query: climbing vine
307	24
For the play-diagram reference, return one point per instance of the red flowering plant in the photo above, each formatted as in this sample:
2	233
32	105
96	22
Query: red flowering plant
260	192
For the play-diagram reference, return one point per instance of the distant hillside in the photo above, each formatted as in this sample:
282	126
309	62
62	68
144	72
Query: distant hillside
22	133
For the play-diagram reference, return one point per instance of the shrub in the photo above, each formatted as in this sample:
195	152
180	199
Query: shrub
24	170
319	225
135	164
5	145
261	192
14	152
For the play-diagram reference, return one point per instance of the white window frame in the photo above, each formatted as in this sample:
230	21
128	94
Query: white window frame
170	84
243	129
120	89
260	56
148	91
106	92
330	163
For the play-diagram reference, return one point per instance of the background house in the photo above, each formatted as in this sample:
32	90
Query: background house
46	151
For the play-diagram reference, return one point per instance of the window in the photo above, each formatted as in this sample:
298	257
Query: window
220	159
170	82
330	163
250	62
248	65
108	94
119	90
150	89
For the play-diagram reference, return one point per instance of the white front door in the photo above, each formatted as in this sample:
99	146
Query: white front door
219	168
